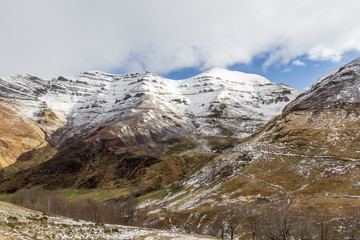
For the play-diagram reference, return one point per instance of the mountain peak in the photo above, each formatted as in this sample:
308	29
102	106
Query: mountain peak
238	76
101	73
105	114
340	85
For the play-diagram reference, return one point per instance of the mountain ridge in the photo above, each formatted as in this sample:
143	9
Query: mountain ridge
306	152
302	161
129	105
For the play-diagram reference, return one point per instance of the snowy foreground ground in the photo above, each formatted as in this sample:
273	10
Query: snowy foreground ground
21	223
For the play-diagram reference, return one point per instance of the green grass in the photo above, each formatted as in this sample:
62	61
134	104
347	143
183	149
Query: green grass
30	159
233	185
6	197
73	195
134	151
184	145
220	144
100	194
160	194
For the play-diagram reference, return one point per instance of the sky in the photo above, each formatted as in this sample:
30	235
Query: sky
286	41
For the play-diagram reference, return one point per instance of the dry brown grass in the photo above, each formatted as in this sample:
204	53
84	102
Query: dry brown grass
243	187
18	136
338	207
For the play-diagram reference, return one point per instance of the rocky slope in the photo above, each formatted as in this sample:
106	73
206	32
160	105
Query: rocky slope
312	148
310	151
18	135
100	122
21	223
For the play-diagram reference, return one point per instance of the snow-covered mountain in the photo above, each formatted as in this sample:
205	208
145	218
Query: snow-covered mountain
307	157
310	151
106	114
216	102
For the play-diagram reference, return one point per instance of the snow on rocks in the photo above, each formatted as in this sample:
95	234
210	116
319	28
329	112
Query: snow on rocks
217	102
21	223
338	86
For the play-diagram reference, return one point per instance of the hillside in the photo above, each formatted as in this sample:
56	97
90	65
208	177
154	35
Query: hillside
311	149
305	160
21	223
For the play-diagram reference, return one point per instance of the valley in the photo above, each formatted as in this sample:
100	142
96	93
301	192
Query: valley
226	154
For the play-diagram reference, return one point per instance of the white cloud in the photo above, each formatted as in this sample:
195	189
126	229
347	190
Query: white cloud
50	38
287	70
298	63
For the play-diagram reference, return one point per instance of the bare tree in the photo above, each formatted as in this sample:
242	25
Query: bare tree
305	231
227	220
233	219
219	224
324	226
56	204
353	223
252	220
130	207
34	194
277	224
19	197
118	208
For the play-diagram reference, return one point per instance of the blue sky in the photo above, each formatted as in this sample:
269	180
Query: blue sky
300	75
289	41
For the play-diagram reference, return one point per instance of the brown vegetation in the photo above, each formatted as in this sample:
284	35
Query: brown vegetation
18	136
118	211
